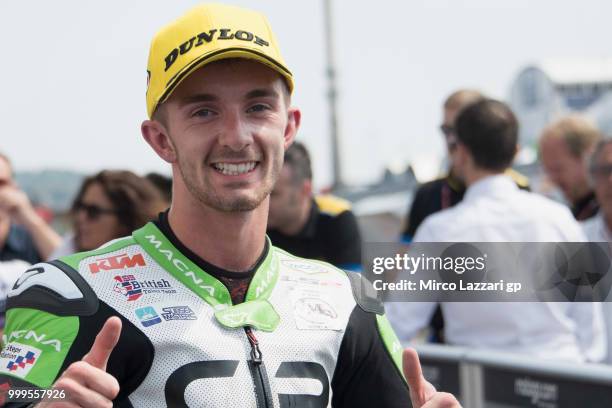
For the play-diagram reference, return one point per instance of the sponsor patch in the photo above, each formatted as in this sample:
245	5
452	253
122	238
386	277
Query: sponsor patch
148	316
123	261
18	359
178	313
133	288
128	286
310	268
314	310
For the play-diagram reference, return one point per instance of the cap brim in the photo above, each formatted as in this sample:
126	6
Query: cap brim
220	55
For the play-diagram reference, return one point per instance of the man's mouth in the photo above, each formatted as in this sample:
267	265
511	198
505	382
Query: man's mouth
235	169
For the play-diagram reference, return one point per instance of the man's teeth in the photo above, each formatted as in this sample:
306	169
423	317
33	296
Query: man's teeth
231	169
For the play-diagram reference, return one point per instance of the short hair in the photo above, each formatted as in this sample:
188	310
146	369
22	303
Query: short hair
461	98
136	200
489	130
579	134
298	159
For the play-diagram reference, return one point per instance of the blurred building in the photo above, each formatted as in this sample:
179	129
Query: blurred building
544	91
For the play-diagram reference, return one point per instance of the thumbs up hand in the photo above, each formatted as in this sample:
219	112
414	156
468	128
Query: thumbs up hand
86	382
422	393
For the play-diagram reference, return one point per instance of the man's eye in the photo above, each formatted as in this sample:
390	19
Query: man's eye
257	108
204	113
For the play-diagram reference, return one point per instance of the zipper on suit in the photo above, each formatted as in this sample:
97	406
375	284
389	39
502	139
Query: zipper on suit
263	392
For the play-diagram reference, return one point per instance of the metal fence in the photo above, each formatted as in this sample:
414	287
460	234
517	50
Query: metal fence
482	379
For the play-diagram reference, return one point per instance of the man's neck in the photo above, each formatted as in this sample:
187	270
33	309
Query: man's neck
582	195
476	174
300	221
230	240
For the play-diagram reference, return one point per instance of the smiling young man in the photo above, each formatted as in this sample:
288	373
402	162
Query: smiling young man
199	309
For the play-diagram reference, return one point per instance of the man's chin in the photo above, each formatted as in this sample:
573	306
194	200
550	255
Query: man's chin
237	204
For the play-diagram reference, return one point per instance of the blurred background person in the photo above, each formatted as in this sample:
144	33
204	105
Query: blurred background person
109	205
163	184
321	227
446	191
25	238
565	146
599	227
24	234
494	209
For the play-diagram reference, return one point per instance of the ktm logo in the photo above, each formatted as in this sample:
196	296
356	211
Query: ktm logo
116	262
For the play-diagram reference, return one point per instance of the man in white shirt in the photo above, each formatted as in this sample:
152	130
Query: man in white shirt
599	228
494	209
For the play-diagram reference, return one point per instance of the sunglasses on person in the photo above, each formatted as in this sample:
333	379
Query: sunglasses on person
447	130
450	136
92	211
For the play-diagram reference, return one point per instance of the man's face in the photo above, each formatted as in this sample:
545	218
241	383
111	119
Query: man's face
603	179
448	130
566	171
228	125
285	201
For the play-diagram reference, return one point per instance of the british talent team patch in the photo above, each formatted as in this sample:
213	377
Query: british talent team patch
128	286
133	288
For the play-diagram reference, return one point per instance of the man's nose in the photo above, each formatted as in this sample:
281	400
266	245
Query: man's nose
235	133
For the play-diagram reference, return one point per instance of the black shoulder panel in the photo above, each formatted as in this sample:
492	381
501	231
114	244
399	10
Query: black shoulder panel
365	375
56	288
364	294
131	358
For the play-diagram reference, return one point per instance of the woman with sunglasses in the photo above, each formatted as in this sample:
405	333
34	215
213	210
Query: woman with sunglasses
109	205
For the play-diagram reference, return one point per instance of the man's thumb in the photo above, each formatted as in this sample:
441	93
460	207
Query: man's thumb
421	390
412	367
105	342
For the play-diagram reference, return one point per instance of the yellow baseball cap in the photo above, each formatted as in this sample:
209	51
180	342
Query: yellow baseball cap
207	33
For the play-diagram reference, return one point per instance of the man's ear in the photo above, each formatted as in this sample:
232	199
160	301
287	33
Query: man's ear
306	188
461	155
294	118
517	149
158	138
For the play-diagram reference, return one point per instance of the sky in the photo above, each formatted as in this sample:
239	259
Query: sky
74	73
